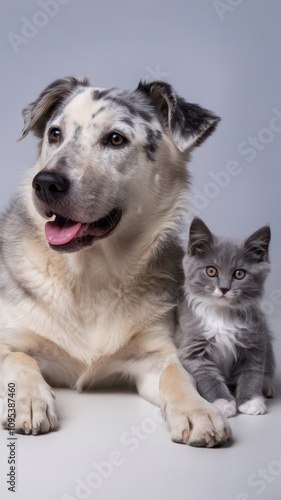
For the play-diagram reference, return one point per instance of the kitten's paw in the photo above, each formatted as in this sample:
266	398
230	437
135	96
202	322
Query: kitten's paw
200	426
227	408
35	411
268	389
255	406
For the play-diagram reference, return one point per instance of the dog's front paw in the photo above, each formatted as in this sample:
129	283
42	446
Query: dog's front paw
202	426
35	410
227	408
255	406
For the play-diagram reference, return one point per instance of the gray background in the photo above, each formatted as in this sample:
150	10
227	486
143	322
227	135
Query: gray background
229	62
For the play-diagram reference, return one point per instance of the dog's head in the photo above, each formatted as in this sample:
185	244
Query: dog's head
108	153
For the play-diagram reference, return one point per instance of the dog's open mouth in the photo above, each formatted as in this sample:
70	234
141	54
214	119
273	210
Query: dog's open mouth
69	235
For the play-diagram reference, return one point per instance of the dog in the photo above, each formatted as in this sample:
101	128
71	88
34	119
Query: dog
90	254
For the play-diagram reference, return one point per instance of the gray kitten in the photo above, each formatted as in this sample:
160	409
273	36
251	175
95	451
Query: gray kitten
223	339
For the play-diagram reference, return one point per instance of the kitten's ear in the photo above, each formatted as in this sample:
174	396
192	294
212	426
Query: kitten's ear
39	112
189	124
257	244
200	238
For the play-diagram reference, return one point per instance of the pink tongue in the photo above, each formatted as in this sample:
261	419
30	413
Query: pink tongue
60	235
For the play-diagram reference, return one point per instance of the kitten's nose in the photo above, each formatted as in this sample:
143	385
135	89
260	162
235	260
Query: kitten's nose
224	290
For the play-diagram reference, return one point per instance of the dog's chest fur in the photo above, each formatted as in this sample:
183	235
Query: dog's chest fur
82	307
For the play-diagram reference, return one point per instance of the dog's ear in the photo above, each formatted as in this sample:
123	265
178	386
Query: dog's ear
188	123
37	114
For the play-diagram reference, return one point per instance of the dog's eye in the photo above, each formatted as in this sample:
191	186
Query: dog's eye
239	274
54	135
116	139
212	271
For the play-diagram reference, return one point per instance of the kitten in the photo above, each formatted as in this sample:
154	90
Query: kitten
223	339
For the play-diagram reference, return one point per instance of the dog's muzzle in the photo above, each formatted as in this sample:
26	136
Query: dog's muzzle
65	233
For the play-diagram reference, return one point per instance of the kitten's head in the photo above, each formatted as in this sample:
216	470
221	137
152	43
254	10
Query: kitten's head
224	271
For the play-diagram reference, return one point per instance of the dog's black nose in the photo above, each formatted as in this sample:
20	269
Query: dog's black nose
49	186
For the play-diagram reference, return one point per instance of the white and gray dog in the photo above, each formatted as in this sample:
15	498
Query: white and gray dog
88	297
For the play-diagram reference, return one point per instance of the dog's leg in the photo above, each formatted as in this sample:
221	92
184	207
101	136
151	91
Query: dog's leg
191	418
161	379
34	400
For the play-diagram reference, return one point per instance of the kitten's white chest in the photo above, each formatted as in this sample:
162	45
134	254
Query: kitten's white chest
219	327
221	333
222	337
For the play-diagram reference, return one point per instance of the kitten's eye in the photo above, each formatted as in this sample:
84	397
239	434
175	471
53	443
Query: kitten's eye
212	271
239	274
54	135
116	139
